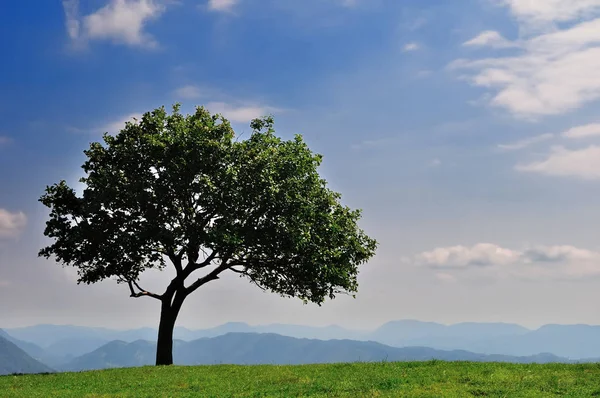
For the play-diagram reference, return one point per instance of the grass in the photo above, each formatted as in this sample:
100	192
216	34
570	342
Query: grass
394	379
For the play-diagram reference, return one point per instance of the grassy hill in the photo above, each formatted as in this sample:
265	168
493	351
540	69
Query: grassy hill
391	379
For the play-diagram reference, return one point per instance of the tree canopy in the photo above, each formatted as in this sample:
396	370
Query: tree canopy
182	189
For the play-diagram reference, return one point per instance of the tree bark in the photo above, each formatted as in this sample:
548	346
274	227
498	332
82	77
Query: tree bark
168	316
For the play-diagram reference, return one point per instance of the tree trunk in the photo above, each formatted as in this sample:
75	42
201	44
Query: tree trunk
168	316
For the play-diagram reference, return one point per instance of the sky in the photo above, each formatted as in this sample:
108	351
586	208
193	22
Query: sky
468	132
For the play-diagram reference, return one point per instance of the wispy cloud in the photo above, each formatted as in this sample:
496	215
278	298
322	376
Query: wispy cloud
559	262
71	8
563	162
4	140
117	125
188	92
374	143
554	71
411	47
588	130
581	163
240	113
11	224
121	21
222	5
490	38
435	162
526	142
551	11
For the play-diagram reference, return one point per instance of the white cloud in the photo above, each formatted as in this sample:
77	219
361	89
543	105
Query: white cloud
554	71
558	262
222	5
538	11
11	224
4	140
588	130
116	126
435	162
239	114
121	21
581	163
461	256
188	92
526	142
411	47
490	38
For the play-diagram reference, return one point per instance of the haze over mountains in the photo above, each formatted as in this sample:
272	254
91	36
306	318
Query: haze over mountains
267	348
14	360
66	347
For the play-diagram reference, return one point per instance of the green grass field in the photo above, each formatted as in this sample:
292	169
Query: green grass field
402	379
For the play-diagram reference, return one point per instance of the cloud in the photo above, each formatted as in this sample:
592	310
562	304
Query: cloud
348	3
580	163
584	131
558	262
71	8
435	163
377	143
554	71
188	92
544	11
116	126
222	5
411	47
481	254
121	21
4	140
11	224
526	142
239	114
490	38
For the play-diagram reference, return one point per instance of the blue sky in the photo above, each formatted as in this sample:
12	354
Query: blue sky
467	131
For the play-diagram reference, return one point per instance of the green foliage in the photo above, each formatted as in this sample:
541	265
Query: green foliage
175	187
393	379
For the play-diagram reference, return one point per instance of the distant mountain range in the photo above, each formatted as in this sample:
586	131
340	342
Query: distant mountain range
15	360
59	345
267	348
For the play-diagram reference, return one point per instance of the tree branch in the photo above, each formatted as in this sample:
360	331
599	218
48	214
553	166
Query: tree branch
214	274
245	273
141	292
191	267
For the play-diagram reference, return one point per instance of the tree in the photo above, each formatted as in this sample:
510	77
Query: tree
179	189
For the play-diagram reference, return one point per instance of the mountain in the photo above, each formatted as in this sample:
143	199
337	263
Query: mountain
57	344
47	335
571	341
114	354
267	348
298	331
64	342
412	332
15	360
33	350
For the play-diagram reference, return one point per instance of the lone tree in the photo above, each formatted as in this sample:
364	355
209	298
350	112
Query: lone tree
180	189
